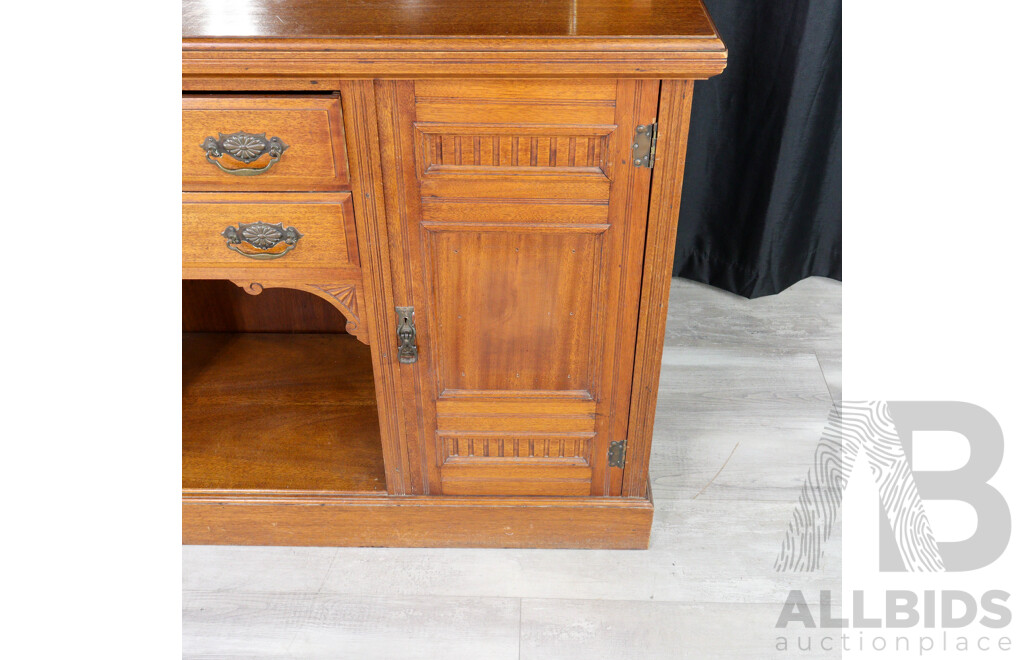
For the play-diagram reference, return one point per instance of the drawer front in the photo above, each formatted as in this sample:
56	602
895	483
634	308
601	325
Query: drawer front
288	235
262	143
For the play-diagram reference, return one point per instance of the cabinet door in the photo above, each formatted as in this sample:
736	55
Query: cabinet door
517	223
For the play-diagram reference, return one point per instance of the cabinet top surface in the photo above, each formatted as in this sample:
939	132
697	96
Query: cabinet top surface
648	24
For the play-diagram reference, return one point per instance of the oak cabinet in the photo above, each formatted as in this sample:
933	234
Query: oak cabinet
425	274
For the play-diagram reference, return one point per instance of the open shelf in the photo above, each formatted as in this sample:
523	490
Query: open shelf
279	412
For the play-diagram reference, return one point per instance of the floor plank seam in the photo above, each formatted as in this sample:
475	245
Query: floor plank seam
521	599
519	652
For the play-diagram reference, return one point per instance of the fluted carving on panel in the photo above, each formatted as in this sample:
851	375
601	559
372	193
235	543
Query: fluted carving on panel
558	153
569	448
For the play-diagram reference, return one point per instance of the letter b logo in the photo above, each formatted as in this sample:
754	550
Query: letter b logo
967	484
882	432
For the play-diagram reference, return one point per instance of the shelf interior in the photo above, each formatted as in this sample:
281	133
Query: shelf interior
279	412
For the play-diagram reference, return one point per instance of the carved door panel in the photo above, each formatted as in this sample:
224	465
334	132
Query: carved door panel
522	221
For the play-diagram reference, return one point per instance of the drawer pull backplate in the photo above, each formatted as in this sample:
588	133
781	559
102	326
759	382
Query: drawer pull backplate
243	147
407	351
267	239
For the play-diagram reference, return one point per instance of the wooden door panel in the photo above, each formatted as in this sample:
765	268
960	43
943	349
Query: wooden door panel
514	310
515	413
523	220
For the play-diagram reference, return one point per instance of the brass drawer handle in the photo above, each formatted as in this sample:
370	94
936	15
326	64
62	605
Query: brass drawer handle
264	237
244	147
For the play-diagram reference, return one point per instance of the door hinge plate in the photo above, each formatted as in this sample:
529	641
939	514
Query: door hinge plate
645	143
617	454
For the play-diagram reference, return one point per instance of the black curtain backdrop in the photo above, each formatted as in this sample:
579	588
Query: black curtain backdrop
761	206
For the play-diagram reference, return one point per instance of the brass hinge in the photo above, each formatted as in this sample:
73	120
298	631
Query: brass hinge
645	142
617	454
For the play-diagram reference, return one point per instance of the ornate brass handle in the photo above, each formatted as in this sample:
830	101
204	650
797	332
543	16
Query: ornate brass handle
407	351
244	147
265	238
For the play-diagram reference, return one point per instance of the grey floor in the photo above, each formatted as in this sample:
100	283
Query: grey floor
745	391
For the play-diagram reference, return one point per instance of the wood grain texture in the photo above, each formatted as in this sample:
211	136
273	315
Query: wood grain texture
663	219
589	95
539	306
222	306
400	457
418	521
252	85
395	112
325	221
474	476
505	19
389	98
637	101
515	309
268	412
701	551
506	212
311	126
227	61
344	297
387	39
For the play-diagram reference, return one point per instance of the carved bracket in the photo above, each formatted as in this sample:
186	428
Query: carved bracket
344	297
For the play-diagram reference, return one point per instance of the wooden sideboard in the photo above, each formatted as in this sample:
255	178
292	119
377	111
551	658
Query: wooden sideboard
426	257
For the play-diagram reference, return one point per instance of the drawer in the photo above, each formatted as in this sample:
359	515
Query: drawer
286	236
262	143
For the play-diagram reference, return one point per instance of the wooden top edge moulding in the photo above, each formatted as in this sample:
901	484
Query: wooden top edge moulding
500	38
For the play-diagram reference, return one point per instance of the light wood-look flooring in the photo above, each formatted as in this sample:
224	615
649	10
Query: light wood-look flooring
745	391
